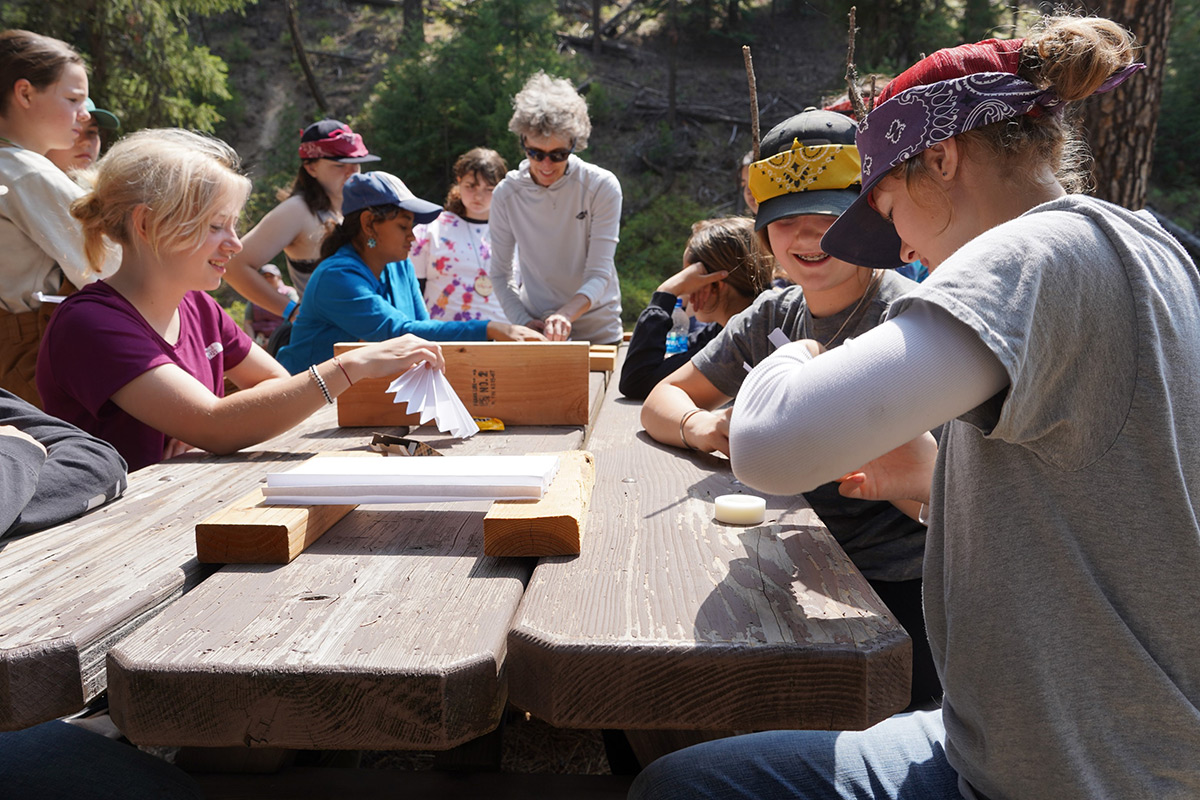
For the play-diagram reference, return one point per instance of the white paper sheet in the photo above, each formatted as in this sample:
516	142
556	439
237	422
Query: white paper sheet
336	480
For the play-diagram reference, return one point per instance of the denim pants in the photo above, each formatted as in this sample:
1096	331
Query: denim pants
54	761
901	758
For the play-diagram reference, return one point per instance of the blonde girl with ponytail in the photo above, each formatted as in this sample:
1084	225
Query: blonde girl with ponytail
140	358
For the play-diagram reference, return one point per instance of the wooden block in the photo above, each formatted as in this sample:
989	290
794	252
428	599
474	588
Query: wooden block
628	335
549	526
520	383
250	532
603	357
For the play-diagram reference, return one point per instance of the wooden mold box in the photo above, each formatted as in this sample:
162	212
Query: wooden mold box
519	383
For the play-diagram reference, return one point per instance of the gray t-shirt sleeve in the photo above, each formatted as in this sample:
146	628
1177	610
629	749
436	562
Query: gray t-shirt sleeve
1059	410
744	340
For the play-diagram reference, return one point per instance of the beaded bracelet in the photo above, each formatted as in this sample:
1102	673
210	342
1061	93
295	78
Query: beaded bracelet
321	383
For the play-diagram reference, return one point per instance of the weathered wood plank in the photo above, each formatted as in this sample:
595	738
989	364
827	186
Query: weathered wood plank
81	587
669	620
521	383
388	633
251	532
550	526
76	588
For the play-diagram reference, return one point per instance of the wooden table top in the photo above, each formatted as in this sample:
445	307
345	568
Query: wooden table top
388	633
77	588
670	620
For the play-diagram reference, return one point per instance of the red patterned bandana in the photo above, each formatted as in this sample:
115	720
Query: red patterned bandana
340	143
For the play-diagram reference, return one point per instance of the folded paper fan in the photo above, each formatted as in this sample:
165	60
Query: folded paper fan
429	394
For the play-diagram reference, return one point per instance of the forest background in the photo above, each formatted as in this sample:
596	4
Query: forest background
425	80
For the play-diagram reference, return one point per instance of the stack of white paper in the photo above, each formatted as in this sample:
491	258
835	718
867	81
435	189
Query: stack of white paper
429	394
336	480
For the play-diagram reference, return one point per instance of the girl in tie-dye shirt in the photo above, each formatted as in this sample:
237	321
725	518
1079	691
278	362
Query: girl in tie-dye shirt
452	253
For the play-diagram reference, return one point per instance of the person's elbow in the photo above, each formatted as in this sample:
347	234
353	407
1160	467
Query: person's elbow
770	454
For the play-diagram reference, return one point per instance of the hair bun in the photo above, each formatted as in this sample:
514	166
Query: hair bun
1075	55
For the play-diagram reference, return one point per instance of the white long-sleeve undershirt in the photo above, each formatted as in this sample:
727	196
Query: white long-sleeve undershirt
801	421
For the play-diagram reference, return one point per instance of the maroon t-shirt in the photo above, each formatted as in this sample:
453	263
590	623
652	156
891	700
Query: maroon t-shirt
97	342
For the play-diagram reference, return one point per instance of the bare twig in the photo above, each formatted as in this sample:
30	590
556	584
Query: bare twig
302	57
856	101
749	59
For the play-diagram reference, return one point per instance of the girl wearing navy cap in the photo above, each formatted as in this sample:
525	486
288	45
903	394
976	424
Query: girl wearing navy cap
1058	338
365	288
329	154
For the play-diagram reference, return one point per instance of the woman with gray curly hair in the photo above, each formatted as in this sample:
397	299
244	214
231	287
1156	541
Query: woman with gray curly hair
564	214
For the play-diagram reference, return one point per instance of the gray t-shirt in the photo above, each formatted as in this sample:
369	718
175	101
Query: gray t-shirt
1062	574
883	542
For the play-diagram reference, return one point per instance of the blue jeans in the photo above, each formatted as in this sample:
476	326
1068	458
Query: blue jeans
56	760
901	758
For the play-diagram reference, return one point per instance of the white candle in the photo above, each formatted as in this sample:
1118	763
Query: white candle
741	509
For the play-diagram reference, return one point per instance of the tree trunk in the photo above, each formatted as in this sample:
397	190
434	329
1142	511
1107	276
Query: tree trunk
596	26
979	17
1121	124
672	61
302	56
414	21
97	14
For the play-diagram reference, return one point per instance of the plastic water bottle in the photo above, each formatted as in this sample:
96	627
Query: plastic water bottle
677	339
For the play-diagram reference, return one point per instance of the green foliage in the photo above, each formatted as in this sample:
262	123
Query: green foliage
979	19
143	64
651	249
1177	146
434	104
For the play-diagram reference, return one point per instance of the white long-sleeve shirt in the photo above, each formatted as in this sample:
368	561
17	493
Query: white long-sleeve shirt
40	240
567	233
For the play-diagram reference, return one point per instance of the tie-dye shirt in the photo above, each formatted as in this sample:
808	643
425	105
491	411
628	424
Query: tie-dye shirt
453	254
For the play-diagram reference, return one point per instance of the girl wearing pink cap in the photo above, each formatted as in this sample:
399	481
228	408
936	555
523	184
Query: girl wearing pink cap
1058	339
329	154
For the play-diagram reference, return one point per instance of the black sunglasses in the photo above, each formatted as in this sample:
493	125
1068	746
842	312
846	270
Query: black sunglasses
557	156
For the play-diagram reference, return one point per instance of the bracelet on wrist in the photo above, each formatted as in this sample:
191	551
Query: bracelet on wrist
343	369
683	421
321	384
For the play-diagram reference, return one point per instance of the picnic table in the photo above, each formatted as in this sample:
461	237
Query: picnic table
671	621
394	631
77	589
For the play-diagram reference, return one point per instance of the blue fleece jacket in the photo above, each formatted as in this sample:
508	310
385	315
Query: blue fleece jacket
345	302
